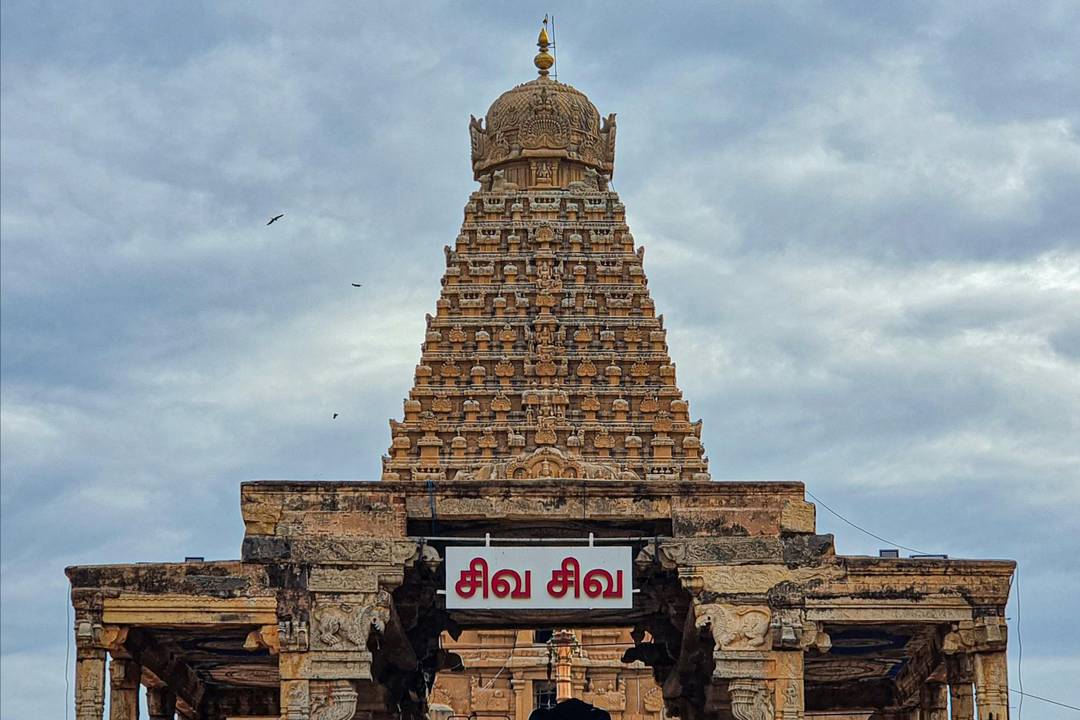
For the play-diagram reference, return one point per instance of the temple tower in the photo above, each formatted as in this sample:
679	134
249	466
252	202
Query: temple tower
545	350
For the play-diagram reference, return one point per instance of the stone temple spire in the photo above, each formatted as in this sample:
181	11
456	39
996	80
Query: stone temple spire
545	357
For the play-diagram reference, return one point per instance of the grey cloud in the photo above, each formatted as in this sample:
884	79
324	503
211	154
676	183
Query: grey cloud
860	223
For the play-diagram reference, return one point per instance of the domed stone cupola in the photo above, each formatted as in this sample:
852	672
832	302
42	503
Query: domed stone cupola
543	134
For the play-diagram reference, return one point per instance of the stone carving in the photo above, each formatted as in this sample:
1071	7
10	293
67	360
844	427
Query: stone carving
792	704
346	625
360	550
297	696
751	700
608	693
653	700
439	695
542	115
333	701
89	683
499	183
547	462
293	635
486	696
734	627
978	635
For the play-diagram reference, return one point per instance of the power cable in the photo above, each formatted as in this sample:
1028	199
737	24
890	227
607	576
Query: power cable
509	657
1045	700
864	530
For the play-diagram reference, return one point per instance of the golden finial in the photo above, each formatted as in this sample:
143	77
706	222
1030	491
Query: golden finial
543	59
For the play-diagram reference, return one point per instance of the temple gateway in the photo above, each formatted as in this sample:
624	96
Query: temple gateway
545	539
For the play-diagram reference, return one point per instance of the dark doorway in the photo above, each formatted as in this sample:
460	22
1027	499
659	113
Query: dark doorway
571	709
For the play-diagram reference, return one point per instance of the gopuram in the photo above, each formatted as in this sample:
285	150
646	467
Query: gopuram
545	528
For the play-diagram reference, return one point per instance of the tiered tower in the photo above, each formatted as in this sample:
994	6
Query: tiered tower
545	357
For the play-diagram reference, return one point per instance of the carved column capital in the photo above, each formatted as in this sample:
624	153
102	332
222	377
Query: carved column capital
88	612
983	634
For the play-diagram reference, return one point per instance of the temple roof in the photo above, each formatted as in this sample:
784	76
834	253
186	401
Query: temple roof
543	118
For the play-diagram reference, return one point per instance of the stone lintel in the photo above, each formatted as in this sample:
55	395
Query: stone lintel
383	509
226	578
980	584
847	610
178	610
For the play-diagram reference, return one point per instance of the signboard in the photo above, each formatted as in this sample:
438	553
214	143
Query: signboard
530	578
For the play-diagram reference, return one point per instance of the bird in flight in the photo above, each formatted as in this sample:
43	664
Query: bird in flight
358	285
275	219
334	416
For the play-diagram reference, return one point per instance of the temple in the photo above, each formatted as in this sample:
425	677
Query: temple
545	411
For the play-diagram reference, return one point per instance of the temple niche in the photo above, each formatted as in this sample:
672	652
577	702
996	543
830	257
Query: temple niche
544	411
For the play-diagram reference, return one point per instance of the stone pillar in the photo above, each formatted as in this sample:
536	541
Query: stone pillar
90	655
935	701
124	678
975	651
992	685
790	700
522	690
160	703
89	683
962	700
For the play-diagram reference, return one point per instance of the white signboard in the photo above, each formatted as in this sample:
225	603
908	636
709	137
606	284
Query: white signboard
527	578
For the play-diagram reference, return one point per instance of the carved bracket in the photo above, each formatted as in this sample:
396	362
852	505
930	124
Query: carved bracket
346	623
734	627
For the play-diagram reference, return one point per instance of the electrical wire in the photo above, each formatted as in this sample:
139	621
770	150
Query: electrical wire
820	502
509	657
1045	700
1020	649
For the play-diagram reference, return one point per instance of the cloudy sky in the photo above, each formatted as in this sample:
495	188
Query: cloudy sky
861	221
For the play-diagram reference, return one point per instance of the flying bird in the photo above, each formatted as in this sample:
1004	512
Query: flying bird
358	285
334	417
275	219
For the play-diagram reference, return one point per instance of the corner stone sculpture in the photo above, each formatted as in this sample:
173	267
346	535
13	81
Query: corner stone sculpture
545	404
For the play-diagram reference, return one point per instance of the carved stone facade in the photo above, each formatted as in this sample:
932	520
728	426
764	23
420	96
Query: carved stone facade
544	406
